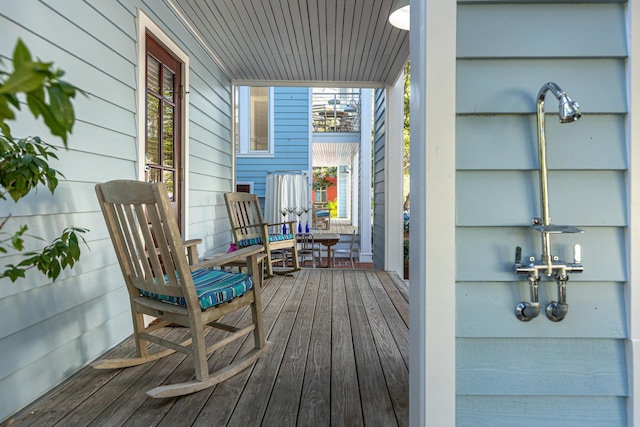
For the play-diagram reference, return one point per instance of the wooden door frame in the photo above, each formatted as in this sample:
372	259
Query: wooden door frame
146	26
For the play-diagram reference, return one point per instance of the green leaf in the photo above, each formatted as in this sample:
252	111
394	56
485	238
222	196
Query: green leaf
49	119
24	79
21	54
61	107
35	101
12	272
6	113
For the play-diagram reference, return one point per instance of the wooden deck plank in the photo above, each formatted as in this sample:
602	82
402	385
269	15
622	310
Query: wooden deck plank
129	382
397	292
394	366
315	404
339	358
283	409
345	392
66	398
392	315
376	403
253	401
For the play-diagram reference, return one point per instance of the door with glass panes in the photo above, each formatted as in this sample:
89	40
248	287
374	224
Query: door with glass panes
163	144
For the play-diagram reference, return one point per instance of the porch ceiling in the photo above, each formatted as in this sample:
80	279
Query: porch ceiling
334	153
296	42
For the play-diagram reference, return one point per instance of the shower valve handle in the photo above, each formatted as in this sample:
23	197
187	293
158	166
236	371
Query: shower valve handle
577	254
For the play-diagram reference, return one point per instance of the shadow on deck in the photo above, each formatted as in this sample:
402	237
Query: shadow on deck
340	357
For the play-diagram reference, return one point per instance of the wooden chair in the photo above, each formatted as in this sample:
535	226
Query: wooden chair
162	284
249	228
308	248
351	252
320	217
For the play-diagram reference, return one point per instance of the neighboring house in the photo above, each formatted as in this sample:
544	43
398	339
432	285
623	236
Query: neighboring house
328	193
290	130
474	190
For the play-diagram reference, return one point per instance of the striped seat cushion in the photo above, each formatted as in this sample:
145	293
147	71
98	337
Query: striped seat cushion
213	287
258	241
322	214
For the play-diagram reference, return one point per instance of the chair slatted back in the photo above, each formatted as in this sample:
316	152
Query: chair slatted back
143	228
306	241
245	215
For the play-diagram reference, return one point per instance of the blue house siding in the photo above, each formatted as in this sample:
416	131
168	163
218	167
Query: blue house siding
379	140
540	373
291	140
50	330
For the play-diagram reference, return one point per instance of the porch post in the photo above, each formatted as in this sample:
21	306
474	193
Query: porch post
393	169
432	235
633	233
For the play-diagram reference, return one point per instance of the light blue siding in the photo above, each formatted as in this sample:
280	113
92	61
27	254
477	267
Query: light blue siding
491	411
562	381
291	140
557	30
596	310
551	367
540	373
580	198
50	330
593	142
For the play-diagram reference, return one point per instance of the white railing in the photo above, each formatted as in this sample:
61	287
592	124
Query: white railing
336	112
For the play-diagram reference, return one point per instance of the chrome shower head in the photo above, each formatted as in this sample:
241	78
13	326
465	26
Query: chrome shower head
569	112
569	109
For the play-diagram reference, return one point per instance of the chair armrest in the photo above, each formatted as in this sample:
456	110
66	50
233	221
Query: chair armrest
223	259
192	250
280	224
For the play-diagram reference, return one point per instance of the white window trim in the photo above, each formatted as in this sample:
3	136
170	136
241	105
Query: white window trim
244	124
145	24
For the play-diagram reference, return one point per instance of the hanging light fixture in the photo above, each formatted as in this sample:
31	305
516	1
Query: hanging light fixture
400	16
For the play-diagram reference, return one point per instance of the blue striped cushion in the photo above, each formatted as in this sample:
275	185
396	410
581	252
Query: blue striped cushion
213	287
322	214
280	237
258	241
250	242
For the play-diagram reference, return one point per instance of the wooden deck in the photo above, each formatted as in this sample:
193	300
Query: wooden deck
339	358
341	226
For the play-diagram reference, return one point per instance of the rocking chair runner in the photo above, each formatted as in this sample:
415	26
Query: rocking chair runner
249	229
161	283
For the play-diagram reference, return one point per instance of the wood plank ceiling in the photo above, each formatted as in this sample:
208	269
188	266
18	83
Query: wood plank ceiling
347	43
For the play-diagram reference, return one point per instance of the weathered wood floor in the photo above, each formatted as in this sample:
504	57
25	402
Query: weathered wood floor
339	358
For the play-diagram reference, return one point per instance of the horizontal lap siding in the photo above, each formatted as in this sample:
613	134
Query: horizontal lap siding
379	166
291	140
511	372
50	330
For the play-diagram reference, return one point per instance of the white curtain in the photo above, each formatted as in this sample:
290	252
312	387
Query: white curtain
283	191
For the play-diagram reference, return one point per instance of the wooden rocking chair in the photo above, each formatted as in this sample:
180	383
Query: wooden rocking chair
249	229
161	283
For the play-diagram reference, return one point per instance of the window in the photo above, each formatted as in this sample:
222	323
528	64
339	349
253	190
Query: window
163	79
254	117
321	196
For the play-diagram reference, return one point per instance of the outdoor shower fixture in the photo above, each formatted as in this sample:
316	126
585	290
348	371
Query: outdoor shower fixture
549	264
